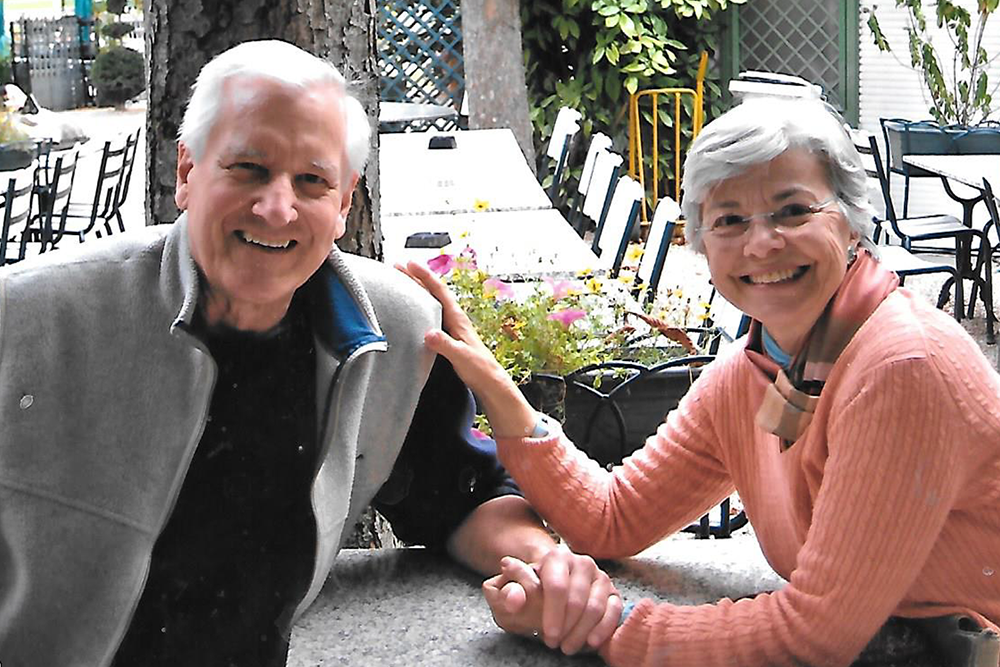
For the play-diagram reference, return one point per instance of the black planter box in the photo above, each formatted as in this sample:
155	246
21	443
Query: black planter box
613	419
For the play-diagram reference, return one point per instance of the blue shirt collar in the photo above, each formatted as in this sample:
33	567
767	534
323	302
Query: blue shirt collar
338	321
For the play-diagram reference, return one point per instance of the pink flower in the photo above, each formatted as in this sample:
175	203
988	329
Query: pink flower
441	264
567	317
497	288
466	260
479	435
561	288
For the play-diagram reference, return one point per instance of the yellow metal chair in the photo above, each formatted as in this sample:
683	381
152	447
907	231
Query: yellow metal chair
636	165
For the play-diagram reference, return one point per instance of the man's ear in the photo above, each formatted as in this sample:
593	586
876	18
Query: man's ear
347	197
185	162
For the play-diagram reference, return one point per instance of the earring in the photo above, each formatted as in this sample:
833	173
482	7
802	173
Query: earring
852	253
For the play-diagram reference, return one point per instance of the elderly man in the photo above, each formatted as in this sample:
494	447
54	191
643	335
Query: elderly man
193	416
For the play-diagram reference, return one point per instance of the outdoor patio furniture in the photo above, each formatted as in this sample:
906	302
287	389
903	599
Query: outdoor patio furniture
616	227
901	259
566	125
654	255
485	170
53	188
113	178
607	167
17	200
600	142
991	206
513	245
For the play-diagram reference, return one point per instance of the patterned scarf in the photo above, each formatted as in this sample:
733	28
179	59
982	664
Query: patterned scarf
789	403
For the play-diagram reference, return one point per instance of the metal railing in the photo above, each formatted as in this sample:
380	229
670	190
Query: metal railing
637	165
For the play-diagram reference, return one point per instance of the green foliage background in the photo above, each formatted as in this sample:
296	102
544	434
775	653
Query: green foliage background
590	54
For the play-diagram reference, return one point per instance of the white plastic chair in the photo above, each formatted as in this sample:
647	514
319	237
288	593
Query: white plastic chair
598	143
654	255
612	236
601	187
563	130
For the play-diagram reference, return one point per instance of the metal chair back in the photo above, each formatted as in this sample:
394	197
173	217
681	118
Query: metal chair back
17	204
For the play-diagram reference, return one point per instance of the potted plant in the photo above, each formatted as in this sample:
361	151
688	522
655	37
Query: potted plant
960	100
583	351
118	72
16	149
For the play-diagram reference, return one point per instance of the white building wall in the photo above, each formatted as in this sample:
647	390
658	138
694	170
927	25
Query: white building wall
891	88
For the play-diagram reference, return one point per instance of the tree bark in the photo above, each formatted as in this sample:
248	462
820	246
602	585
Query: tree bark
494	69
183	35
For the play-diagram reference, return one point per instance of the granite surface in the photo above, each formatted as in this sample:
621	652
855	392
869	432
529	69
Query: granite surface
411	607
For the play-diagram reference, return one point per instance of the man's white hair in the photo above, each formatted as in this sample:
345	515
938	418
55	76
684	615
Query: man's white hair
278	61
759	130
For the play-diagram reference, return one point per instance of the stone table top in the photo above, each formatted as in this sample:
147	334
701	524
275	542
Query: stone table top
412	607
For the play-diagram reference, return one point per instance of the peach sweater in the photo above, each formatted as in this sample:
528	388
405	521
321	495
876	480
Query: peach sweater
889	504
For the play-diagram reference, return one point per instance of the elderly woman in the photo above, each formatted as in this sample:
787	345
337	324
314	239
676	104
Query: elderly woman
860	426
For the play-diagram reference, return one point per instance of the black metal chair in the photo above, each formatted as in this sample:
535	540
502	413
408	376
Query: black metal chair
902	259
53	192
113	179
994	223
17	207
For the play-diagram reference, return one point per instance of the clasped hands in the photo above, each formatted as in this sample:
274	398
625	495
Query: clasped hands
563	599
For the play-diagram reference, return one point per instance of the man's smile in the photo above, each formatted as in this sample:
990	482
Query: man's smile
264	244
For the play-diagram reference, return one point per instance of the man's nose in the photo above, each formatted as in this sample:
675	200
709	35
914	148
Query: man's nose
761	238
276	203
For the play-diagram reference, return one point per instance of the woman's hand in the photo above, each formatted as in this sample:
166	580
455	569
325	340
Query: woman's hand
509	413
564	597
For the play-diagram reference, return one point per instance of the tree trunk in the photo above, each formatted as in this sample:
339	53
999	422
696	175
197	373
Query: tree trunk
494	69
183	35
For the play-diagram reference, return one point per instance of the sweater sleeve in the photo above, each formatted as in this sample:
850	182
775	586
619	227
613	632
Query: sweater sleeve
890	454
662	487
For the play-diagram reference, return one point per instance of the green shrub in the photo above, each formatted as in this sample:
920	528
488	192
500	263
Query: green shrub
119	75
591	54
115	31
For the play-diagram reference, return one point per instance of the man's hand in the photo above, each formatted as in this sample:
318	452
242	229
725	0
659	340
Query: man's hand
564	597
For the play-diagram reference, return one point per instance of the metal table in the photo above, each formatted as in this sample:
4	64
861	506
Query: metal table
485	169
406	607
408	112
514	245
969	170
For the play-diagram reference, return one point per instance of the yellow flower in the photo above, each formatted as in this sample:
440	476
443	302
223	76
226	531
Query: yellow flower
594	286
480	205
585	273
463	234
633	253
626	278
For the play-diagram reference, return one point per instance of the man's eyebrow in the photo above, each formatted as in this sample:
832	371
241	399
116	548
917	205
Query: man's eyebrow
240	152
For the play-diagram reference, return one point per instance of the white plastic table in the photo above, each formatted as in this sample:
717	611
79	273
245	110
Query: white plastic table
514	245
486	168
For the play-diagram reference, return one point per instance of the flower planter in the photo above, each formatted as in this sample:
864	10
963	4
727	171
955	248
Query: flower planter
613	419
16	155
928	138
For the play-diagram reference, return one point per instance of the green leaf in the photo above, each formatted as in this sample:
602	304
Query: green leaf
609	10
631	84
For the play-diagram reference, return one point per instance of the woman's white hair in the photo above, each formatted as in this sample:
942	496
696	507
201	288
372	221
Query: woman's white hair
278	61
761	129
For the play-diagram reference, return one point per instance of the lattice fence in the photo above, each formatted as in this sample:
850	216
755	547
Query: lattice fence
420	53
793	37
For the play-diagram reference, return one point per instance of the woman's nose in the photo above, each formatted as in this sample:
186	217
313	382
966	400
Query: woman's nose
762	237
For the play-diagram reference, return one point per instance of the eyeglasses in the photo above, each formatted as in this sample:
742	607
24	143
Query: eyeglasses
731	226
